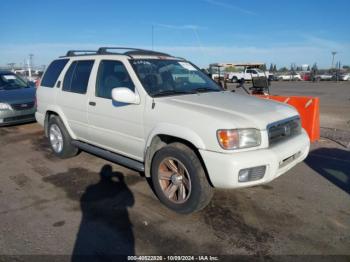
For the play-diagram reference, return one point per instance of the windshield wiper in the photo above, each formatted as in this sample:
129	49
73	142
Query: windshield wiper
172	92
204	89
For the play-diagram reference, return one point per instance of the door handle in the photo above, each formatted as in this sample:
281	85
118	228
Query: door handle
91	103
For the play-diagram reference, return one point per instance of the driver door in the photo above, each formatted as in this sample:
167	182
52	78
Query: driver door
114	126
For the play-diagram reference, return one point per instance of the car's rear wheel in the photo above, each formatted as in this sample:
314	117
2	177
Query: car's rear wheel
60	140
179	179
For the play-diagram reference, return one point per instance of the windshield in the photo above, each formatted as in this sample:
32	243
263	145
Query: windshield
11	81
162	77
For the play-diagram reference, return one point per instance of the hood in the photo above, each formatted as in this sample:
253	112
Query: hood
17	95
242	111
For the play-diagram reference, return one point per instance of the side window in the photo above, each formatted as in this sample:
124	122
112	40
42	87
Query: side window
53	72
112	74
68	77
77	77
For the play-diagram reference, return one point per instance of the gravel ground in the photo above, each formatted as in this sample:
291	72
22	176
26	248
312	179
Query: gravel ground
86	205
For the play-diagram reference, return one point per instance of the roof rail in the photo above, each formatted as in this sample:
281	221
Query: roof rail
129	51
80	52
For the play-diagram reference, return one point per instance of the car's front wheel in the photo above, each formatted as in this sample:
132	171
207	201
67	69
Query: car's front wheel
59	138
179	179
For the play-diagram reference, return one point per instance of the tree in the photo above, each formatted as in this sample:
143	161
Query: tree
274	68
271	68
283	69
346	67
308	68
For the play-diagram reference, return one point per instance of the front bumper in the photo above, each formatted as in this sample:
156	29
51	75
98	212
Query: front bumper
223	169
11	117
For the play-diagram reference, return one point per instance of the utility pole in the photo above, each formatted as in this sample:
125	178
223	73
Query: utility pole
152	37
333	55
31	60
30	64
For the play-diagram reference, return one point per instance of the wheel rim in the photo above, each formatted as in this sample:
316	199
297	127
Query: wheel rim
56	138
174	180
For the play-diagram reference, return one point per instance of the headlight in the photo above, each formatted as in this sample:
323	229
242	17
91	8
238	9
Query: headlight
238	138
4	106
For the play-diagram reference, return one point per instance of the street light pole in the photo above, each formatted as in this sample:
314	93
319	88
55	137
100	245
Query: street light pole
333	55
152	37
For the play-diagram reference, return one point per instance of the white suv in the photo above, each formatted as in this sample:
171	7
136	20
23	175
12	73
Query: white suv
161	115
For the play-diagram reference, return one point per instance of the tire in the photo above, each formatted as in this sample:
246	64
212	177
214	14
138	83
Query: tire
234	79
59	139
189	194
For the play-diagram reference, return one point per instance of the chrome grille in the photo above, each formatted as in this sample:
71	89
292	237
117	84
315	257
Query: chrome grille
22	106
282	130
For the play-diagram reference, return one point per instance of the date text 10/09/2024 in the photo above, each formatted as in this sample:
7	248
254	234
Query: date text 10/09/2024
173	258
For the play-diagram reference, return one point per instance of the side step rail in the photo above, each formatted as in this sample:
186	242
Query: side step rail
108	155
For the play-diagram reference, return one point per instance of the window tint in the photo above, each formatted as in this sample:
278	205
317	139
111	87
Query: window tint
77	77
112	74
68	77
53	72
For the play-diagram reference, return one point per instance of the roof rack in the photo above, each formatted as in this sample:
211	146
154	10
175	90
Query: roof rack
80	52
130	52
109	50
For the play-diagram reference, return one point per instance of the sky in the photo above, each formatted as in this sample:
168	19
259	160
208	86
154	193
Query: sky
202	31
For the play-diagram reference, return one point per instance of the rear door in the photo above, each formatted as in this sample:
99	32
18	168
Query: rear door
72	98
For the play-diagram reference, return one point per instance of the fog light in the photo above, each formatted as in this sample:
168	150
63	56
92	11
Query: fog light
251	174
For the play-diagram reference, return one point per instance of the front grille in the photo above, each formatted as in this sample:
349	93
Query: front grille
22	106
283	130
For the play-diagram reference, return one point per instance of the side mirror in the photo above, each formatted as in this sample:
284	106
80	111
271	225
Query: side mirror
125	95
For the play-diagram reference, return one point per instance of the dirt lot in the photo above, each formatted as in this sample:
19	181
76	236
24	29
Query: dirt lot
86	205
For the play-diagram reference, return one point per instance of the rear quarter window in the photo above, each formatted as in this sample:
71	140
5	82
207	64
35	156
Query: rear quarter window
53	72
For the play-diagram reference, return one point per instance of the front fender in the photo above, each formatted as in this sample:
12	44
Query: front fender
176	131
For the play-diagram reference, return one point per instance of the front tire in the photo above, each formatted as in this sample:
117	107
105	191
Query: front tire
179	179
59	139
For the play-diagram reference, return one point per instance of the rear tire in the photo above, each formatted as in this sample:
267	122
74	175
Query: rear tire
179	179
59	139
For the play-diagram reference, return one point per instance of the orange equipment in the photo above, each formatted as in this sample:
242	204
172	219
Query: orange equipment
309	110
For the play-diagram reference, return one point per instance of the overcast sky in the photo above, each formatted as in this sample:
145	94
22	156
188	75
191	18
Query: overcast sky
203	31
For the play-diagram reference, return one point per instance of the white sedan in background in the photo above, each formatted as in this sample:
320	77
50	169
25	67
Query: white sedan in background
345	77
289	77
324	77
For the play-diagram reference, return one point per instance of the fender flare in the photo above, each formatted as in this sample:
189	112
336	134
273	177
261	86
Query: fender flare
169	130
176	131
60	113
